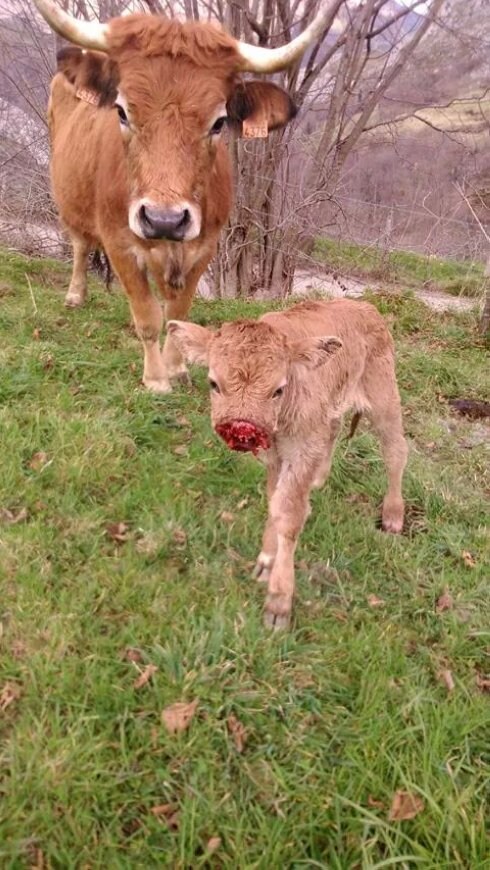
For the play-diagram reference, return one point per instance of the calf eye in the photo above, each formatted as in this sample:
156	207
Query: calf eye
278	392
122	115
213	386
218	125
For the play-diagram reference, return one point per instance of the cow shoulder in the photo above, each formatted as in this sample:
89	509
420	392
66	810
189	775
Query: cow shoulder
260	101
91	71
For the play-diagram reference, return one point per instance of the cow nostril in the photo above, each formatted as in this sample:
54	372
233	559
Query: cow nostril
186	216
144	219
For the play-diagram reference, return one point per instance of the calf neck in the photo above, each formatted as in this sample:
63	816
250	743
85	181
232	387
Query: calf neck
280	387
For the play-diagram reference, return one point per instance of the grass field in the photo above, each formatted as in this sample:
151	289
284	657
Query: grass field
127	536
405	269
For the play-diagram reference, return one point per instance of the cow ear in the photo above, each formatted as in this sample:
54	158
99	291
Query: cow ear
68	62
314	352
90	71
260	104
192	340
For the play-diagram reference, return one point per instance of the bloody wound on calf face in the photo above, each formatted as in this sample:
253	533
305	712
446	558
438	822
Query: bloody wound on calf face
243	436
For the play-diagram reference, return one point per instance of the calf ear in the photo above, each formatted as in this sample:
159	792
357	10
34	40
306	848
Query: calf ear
261	104
314	352
191	339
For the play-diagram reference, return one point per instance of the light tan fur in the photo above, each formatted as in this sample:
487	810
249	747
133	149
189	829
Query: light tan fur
330	357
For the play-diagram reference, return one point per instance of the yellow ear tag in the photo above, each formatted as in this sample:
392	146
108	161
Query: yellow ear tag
87	96
255	128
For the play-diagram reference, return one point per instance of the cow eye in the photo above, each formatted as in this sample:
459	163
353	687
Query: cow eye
218	125
278	392
122	115
213	386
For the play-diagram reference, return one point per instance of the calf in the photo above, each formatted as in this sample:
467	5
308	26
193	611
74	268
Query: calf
279	389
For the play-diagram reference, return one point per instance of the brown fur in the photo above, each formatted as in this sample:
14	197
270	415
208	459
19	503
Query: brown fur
329	357
174	77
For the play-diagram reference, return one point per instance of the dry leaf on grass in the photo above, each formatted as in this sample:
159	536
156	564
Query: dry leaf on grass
38	460
213	844
179	536
145	676
13	517
178	717
131	654
227	517
468	559
11	692
374	601
445	601
169	813
241	504
237	731
446	677
374	803
483	683
405	806
181	450
118	532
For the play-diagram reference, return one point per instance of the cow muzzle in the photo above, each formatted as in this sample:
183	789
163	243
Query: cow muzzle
176	223
243	436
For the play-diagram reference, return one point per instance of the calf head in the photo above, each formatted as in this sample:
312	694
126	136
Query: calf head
254	374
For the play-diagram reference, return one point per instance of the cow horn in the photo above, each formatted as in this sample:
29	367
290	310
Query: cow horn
268	60
88	34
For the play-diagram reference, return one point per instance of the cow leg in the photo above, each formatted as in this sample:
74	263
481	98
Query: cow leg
323	469
147	315
289	509
77	291
265	559
386	416
177	308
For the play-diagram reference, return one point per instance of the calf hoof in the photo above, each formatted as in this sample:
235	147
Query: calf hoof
181	376
392	519
74	300
262	569
157	385
277	613
277	621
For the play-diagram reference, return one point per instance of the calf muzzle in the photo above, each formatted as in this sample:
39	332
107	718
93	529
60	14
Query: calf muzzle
243	436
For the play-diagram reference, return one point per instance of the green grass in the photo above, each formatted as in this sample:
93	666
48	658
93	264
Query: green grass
344	710
410	271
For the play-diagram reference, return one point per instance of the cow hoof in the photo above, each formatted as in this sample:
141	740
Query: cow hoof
276	621
157	385
262	569
74	300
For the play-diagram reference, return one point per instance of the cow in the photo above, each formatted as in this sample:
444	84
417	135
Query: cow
280	387
138	165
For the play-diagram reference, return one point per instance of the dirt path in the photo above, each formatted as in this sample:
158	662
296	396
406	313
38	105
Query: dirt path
307	281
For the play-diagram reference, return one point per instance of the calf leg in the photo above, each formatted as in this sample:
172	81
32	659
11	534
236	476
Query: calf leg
386	416
147	315
323	469
289	508
265	559
77	291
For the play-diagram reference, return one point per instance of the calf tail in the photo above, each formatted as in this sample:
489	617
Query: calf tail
354	423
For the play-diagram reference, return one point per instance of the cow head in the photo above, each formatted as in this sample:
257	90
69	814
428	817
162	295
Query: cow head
254	374
172	86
